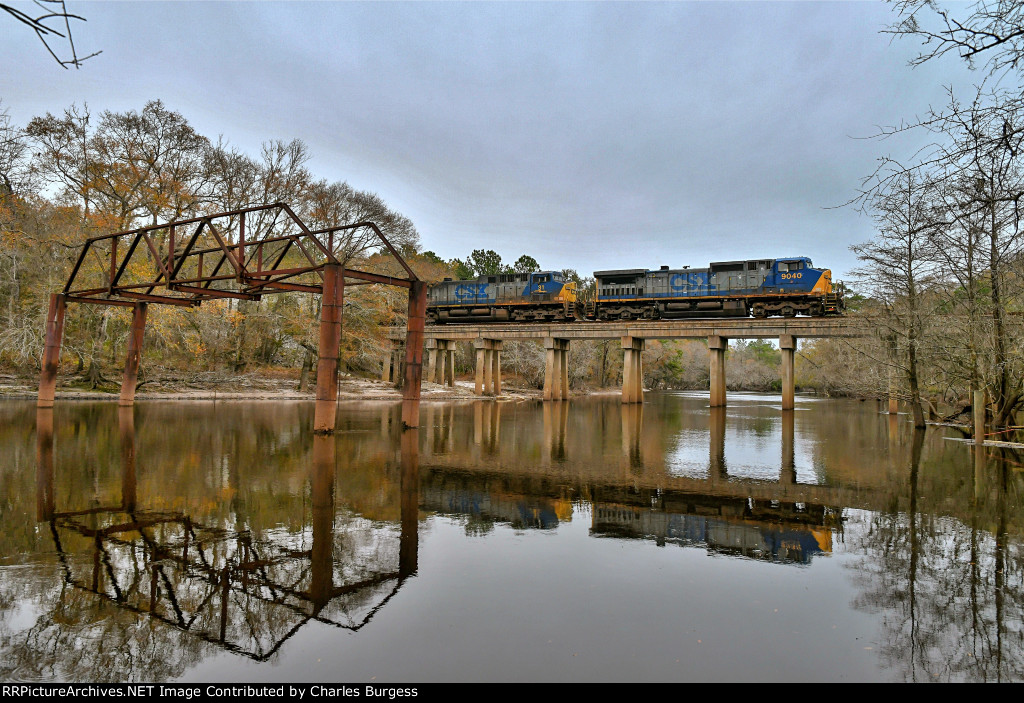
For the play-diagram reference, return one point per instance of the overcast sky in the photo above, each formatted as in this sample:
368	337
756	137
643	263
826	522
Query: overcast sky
588	135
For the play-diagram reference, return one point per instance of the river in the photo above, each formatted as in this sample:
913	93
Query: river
505	541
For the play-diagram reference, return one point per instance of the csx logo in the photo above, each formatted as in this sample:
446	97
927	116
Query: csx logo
679	282
471	290
791	276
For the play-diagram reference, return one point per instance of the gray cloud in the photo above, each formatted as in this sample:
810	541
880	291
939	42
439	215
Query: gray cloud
590	135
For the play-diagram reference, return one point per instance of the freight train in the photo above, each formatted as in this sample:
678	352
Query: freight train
784	287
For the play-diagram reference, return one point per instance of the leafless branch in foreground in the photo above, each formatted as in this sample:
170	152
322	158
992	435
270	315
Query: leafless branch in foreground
53	26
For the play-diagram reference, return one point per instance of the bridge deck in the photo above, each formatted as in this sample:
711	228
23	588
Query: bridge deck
742	328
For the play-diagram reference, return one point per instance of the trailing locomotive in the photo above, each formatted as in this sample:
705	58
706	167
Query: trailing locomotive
758	287
544	296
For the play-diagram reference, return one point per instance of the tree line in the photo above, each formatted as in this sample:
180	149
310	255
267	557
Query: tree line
70	176
943	275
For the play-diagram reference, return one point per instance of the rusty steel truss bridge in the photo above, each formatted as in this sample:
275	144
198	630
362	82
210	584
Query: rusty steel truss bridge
240	254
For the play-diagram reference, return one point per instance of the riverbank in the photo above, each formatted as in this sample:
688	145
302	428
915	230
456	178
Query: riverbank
248	386
272	384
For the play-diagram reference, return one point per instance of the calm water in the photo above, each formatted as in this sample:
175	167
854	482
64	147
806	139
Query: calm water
580	541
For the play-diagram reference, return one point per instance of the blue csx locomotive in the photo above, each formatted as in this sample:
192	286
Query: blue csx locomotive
759	287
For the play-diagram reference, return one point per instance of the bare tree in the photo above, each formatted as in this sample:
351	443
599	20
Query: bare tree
991	31
898	263
53	27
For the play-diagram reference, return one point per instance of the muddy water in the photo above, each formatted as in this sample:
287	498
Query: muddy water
579	541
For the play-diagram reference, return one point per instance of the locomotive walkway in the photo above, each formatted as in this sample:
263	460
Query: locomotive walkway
440	341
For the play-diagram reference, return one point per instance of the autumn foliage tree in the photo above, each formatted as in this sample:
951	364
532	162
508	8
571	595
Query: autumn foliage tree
66	177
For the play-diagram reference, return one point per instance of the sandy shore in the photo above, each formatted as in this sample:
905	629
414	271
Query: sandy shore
252	387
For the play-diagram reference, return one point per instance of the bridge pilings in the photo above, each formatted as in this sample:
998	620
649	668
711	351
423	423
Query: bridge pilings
717	332
717	345
787	345
556	369
488	367
440	362
391	369
632	370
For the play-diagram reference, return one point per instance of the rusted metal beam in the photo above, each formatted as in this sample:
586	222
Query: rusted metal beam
248	250
330	343
161	270
131	364
378	278
414	354
215	293
77	266
283	287
99	301
124	264
241	243
380	235
163	299
228	254
186	281
51	353
113	261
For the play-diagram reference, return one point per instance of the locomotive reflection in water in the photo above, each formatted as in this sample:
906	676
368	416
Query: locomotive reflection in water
772	521
760	287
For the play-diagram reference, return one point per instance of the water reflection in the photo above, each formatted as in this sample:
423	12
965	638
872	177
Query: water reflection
146	555
244	590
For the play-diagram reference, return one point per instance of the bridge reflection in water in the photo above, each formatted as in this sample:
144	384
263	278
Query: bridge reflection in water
721	515
245	593
247	535
250	591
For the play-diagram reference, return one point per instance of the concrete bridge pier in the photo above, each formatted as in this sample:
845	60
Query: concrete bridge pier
443	363
556	371
431	360
448	364
632	370
440	361
787	344
391	369
488	366
717	346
